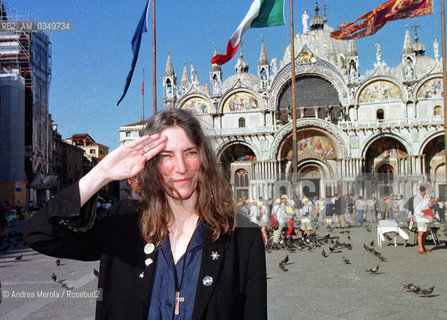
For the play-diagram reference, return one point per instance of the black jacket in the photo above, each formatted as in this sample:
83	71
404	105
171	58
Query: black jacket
63	229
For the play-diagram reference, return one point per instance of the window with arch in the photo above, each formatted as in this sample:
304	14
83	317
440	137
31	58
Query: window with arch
241	122
241	178
437	111
168	87
380	114
263	74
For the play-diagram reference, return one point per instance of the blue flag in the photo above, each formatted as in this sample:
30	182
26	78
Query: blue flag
136	42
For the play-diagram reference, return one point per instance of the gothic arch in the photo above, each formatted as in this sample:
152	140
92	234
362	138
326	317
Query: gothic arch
309	70
424	81
376	137
185	99
427	139
369	81
319	163
328	128
229	94
225	145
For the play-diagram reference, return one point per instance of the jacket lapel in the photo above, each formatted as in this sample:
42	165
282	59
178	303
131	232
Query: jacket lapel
145	275
213	254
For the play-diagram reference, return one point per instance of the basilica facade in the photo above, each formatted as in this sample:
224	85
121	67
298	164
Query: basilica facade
378	133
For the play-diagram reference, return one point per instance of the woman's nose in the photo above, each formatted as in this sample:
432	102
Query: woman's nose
180	164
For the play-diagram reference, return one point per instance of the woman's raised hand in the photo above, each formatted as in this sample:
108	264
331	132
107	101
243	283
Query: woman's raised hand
129	159
124	162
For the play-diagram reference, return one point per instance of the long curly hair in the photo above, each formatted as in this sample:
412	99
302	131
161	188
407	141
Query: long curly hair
214	204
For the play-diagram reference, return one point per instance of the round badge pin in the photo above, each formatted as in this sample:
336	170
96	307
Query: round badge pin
207	281
149	248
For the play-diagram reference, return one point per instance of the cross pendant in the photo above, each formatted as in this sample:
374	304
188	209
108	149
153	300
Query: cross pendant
178	299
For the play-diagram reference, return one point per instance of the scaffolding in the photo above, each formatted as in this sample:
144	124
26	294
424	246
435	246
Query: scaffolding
16	54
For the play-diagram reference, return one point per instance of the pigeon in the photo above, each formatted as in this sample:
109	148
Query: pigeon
345	261
383	259
53	276
58	262
365	247
373	270
96	272
331	249
368	228
415	289
408	286
324	254
64	285
18	258
371	243
427	292
286	259
282	267
349	237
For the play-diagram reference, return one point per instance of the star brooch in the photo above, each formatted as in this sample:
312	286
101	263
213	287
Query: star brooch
215	255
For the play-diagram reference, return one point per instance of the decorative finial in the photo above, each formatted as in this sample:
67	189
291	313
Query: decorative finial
416	37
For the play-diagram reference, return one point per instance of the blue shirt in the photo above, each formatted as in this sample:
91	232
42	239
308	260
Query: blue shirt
162	305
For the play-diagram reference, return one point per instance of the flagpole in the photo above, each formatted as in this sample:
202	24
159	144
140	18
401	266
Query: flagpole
154	61
293	93
143	93
444	85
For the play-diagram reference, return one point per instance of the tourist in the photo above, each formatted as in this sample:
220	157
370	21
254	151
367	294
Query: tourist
422	203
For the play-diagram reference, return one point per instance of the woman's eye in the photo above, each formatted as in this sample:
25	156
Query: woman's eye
192	154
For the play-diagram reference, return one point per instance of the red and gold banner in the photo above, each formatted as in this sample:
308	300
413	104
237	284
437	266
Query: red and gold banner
375	19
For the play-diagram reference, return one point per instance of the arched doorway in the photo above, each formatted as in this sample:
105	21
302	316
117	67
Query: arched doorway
312	143
386	174
382	159
309	177
235	153
434	153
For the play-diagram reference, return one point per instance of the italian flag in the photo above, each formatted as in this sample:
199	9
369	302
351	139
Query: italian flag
262	13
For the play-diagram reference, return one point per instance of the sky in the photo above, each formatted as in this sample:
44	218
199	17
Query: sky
90	63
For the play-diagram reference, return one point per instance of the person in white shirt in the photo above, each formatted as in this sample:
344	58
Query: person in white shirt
422	202
263	221
360	208
306	224
254	211
441	205
372	215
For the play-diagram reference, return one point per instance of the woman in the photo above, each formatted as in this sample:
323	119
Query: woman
180	251
264	221
360	208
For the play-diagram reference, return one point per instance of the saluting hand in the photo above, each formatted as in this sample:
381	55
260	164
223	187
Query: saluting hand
129	159
124	162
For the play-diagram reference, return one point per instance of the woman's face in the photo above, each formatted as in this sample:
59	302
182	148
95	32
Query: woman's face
180	163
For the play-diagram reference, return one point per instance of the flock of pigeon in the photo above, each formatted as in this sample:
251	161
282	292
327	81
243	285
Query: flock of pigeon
411	287
13	239
62	282
316	242
334	245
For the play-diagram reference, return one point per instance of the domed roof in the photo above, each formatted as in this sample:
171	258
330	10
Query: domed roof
247	79
318	40
419	48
